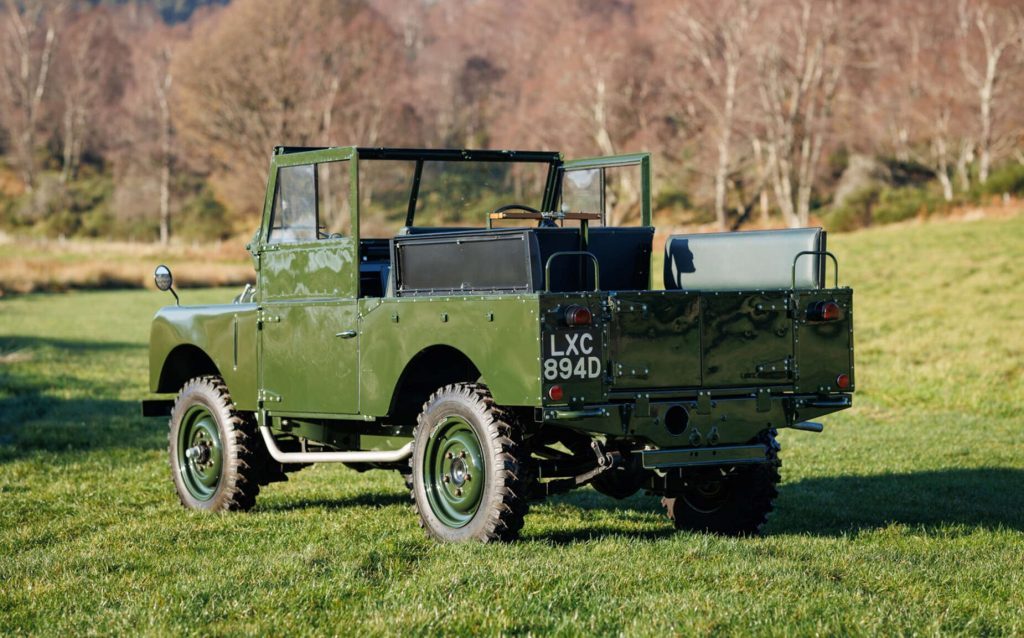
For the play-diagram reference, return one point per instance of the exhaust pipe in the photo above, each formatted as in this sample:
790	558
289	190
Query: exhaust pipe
371	456
808	426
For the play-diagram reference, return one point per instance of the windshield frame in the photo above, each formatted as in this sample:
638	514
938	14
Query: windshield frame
299	155
421	156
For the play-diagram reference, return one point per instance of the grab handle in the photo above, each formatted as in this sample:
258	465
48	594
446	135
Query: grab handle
826	253
547	267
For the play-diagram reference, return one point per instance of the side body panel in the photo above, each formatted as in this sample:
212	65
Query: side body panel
225	333
499	334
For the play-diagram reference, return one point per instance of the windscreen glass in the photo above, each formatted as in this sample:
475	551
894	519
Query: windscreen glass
450	193
614	192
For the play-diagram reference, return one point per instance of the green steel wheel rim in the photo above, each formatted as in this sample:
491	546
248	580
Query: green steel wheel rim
453	472
200	457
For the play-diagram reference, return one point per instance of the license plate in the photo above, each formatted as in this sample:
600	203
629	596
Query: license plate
572	354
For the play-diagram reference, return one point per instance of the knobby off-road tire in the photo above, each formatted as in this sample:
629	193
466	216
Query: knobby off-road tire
467	473
734	503
222	471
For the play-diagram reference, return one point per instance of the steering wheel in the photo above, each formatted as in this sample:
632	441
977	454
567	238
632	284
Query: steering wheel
541	223
523	207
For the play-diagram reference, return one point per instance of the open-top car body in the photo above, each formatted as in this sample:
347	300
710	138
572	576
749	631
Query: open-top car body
505	340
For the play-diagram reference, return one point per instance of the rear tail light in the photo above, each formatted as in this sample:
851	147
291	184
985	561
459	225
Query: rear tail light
843	381
578	316
824	311
555	393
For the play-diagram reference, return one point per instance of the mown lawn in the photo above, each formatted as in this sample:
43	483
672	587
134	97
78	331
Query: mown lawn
906	516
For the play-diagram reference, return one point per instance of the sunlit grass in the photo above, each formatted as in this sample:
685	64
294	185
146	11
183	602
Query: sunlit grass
906	516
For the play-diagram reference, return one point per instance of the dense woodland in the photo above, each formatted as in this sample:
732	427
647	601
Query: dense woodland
155	120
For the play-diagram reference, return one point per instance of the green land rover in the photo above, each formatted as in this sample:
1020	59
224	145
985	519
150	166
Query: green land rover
507	340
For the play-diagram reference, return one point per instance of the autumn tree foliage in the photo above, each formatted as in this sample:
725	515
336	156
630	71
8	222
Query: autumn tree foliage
154	119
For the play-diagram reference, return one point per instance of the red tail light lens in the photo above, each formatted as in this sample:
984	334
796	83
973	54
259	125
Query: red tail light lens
824	311
843	381
578	316
555	393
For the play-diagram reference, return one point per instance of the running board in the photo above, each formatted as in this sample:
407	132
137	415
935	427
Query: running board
369	456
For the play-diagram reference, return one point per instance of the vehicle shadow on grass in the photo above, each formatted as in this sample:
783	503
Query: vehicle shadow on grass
12	344
985	498
365	499
36	416
979	498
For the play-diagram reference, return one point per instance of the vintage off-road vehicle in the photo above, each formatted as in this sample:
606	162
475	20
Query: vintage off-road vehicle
523	352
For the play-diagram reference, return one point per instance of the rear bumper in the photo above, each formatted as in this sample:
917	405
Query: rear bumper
697	457
704	421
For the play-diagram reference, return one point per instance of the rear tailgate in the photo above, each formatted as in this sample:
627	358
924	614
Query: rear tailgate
681	339
685	340
661	340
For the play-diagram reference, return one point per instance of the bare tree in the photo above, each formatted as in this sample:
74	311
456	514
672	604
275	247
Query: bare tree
31	29
800	70
715	40
983	59
923	94
246	84
90	73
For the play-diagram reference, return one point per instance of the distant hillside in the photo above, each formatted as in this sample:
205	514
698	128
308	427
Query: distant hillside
171	10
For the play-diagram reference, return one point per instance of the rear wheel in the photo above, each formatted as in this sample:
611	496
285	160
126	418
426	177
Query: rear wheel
466	474
731	501
213	450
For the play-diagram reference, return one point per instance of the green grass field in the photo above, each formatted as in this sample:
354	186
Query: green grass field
906	516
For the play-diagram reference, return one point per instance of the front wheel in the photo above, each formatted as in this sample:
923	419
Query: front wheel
466	473
213	449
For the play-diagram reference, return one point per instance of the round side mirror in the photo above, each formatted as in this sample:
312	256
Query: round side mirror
162	277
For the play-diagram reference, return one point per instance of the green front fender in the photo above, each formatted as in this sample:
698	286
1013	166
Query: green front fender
186	341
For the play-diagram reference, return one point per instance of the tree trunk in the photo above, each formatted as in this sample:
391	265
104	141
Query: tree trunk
69	138
762	180
963	162
985	143
947	185
163	87
941	164
165	200
724	141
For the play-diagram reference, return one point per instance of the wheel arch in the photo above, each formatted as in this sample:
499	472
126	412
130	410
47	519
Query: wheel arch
182	363
429	369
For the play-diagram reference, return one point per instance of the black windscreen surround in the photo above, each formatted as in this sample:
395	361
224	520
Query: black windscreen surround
500	261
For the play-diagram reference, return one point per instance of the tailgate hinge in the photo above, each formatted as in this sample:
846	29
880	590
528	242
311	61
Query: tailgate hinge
635	371
621	306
